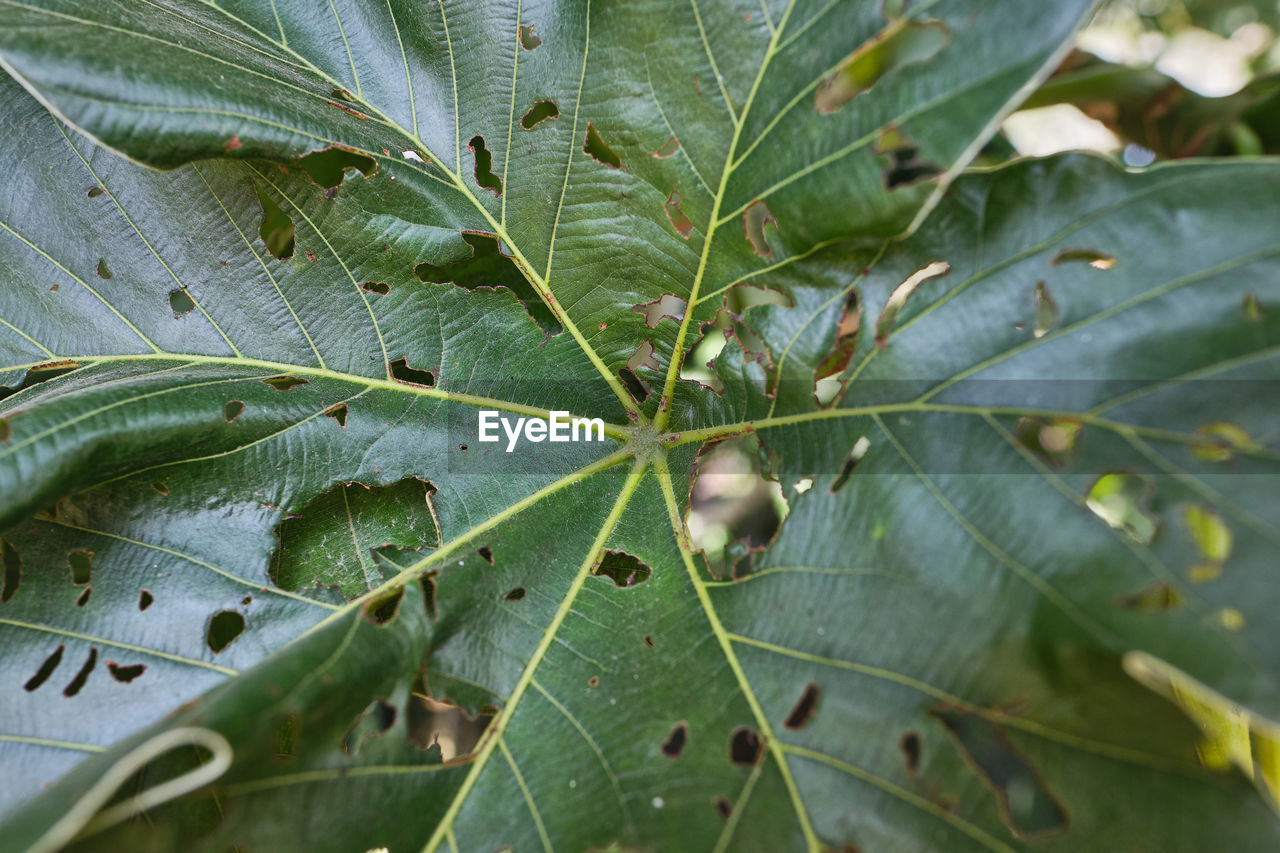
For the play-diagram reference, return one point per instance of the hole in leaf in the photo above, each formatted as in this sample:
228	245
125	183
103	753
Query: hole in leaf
12	571
679	221
379	287
1092	257
898	299
1121	501
1156	598
900	44
1026	804
516	594
901	162
541	111
489	268
103	271
94	192
81	563
667	305
374	721
125	674
841	353
1046	311
723	806
46	669
735	510
284	383
1252	308
594	146
401	372
224	627
910	746
485	178
1052	439
181	302
381	611
487	553
674	744
77	683
636	387
648	640
329	167
428	584
856	454
804	708
338	413
622	568
754	221
527	39
445	727
668	149
276	230
232	410
745	747
1224	440
84	597
145	599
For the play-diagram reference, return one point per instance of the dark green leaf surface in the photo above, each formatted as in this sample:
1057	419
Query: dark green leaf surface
261	480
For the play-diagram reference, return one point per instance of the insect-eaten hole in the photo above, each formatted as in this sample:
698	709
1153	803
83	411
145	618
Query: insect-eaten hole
735	510
94	192
373	722
623	569
668	149
1026	804
232	410
488	267
1092	257
851	461
379	287
383	610
12	563
1054	440
125	674
485	178
145	599
909	745
745	747
82	677
723	806
284	383
593	681
538	113
898	298
528	40
755	219
678	218
676	740
1159	597
338	413
1122	500
648	641
328	167
400	371
443	726
804	708
81	563
826	382
486	553
1046	313
636	387
224	628
516	594
46	669
666	305
103	271
900	160
276	230
180	302
900	44
83	598
597	149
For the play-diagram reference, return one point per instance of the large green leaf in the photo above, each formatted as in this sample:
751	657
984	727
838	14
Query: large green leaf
1032	606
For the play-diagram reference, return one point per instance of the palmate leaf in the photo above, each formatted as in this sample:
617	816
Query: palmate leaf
1024	600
